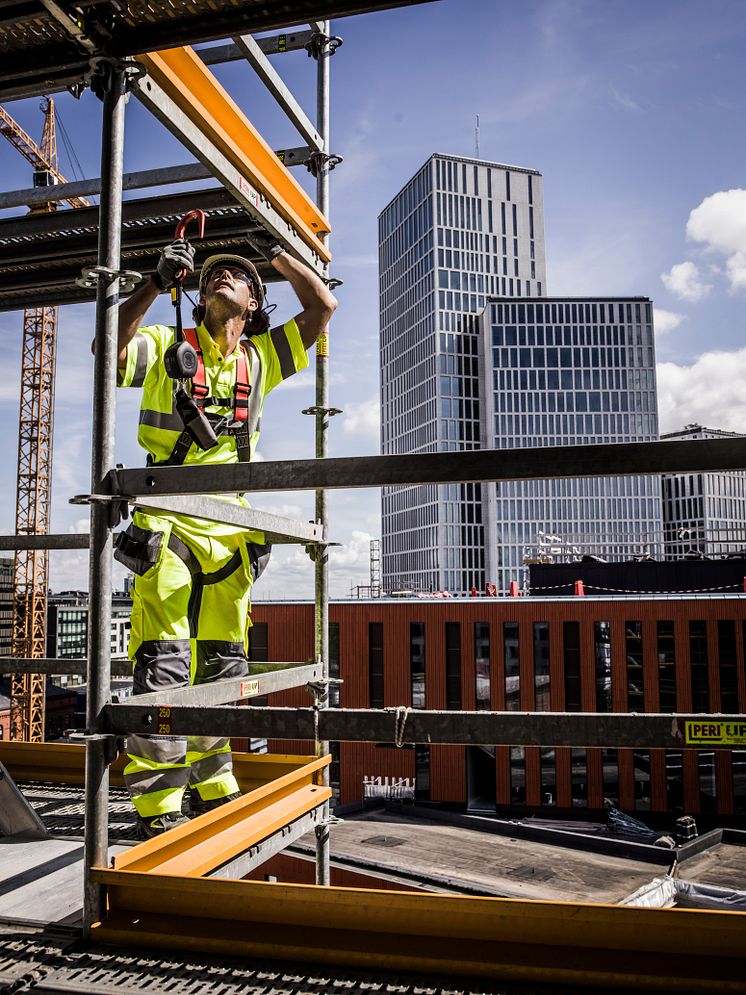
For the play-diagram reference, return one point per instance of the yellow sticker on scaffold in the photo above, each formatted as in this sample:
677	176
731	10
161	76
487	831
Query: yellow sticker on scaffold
322	345
715	732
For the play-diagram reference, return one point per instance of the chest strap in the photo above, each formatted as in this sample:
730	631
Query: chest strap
242	426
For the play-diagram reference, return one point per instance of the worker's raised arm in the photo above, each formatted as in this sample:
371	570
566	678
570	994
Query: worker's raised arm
316	299
176	256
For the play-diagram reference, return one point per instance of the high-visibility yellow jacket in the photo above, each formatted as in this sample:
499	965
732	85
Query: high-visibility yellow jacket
273	357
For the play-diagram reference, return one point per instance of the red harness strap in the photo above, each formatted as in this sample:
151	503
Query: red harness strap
242	388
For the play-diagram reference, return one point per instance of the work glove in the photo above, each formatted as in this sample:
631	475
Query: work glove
177	256
266	245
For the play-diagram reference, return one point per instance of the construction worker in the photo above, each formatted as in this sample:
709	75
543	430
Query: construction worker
192	577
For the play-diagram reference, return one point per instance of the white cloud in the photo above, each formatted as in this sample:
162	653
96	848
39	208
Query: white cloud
623	100
363	419
709	392
685	281
720	223
666	321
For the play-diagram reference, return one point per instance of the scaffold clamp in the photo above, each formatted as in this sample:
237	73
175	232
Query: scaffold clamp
320	41
89	277
113	745
320	162
317	409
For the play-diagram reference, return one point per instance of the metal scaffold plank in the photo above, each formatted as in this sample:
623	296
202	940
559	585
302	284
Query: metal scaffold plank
566	943
405	726
290	41
221	127
688	456
211	840
276	528
60	540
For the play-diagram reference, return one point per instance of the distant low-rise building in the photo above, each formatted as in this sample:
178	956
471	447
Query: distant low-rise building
704	514
6	605
67	627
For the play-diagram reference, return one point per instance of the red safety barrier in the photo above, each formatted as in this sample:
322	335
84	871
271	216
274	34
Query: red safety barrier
579	589
514	591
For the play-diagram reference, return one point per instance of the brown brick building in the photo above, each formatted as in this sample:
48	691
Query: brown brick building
641	654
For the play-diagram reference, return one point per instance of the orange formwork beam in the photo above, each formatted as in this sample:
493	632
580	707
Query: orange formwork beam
64	763
213	839
193	87
600	946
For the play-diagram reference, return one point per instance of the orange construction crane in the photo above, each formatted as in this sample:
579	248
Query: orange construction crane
27	692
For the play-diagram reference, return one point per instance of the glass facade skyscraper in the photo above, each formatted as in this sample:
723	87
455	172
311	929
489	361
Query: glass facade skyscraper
475	355
563	372
459	231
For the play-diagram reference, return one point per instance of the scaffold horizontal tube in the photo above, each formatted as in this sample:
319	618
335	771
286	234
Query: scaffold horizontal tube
52	540
629	458
408	727
54	666
237	688
276	528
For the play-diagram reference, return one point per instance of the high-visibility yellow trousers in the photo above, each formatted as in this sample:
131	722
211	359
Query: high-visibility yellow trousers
190	619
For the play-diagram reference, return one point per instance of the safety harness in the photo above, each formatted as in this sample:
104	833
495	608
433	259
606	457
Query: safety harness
222	425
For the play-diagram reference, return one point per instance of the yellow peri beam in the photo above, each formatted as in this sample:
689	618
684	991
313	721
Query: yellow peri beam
533	942
211	840
64	763
194	88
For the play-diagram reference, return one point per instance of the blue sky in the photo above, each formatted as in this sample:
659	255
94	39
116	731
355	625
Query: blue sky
633	111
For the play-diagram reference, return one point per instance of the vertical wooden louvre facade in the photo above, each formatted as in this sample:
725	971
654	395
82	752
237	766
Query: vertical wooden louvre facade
644	654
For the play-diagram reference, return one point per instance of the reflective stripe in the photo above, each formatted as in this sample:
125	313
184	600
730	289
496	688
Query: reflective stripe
158	749
207	744
170	421
255	397
141	363
147	782
284	352
212	766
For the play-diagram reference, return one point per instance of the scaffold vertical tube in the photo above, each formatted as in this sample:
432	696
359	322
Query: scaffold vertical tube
322	429
102	460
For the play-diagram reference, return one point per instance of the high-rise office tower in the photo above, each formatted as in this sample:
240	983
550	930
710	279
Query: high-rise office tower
459	232
561	372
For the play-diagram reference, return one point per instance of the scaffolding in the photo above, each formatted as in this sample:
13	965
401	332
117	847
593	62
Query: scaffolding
157	892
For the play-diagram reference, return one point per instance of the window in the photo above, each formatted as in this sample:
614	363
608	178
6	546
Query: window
666	667
641	759
674	781
602	656
334	663
738	763
698	659
635	686
707	783
453	665
375	664
417	663
610	771
482	661
517	775
512	667
422	772
579	778
548	776
571	641
541	666
728	669
259	642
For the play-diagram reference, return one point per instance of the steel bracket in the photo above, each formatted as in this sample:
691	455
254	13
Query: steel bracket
320	162
317	409
113	745
321	831
128	278
101	74
319	42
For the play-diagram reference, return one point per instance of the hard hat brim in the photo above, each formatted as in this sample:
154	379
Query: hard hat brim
228	259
